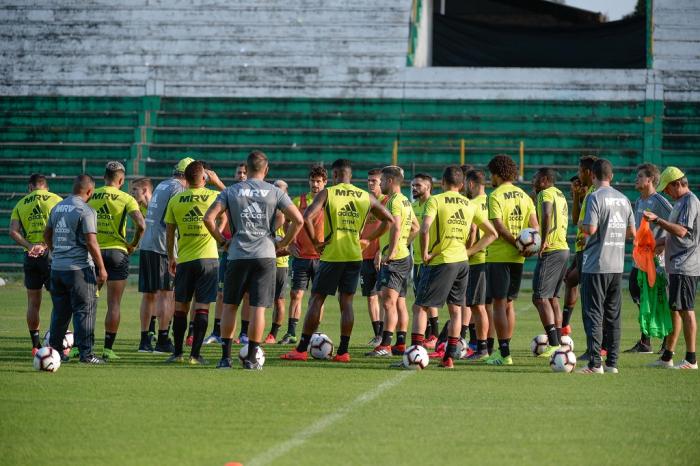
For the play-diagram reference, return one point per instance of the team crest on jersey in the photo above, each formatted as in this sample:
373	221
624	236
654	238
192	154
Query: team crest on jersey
194	215
349	210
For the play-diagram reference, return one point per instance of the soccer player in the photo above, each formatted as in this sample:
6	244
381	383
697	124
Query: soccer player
510	210
651	201
141	189
553	217
241	172
113	207
346	207
76	269
682	259
251	207
395	262
607	221
282	265
27	223
369	271
196	265
305	256
444	236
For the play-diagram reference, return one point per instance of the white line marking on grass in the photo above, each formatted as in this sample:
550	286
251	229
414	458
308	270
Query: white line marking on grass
325	422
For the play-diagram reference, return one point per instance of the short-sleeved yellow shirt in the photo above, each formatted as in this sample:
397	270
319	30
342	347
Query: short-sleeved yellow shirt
513	207
186	211
113	208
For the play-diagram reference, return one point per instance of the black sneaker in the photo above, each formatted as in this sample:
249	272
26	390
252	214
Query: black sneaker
92	359
165	348
145	347
252	366
585	356
224	363
641	348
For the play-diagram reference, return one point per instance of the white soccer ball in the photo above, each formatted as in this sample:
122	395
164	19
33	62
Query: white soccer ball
416	357
462	347
528	241
259	355
539	344
47	359
320	346
567	341
68	340
563	360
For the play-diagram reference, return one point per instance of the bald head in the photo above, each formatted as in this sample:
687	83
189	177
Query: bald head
83	183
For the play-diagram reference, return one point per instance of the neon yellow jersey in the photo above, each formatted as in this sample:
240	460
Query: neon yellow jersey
32	213
346	210
513	207
453	215
282	261
113	208
418	211
580	237
481	204
186	211
556	237
399	206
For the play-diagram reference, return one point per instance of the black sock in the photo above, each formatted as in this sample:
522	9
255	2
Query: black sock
428	330
162	337
201	320
551	332
690	357
179	328
36	341
252	350
376	326
489	345
144	337
434	325
481	346
292	326
217	328
566	316
344	343
463	331
244	327
667	356
152	325
443	333
400	338
559	334
274	329
381	327
109	339
303	343
504	347
645	340
451	348
226	348
472	334
190	328
386	338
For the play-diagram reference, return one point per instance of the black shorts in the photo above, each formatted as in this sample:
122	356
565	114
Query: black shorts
476	285
368	277
549	274
443	283
337	276
37	272
253	276
416	277
196	278
504	279
394	275
223	261
681	292
116	263
280	281
303	272
153	272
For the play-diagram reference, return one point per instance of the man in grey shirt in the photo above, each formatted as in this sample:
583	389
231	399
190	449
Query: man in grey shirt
251	206
71	235
608	220
649	201
682	264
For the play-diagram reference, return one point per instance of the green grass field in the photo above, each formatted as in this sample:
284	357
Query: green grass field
139	411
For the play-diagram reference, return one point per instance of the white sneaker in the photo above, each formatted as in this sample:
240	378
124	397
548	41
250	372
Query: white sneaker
611	370
591	370
212	339
686	365
662	364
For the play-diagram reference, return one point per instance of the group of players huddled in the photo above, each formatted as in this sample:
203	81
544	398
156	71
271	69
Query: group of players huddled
234	246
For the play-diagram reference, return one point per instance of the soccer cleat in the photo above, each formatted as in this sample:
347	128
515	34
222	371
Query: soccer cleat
270	340
92	359
175	358
662	364
165	348
439	352
152	337
212	339
145	347
610	370
189	340
430	342
345	357
447	363
224	363
468	353
640	348
497	360
478	356
198	361
252	366
375	341
398	350
108	354
585	356
590	370
295	355
566	330
34	351
379	352
549	351
288	339
73	353
686	365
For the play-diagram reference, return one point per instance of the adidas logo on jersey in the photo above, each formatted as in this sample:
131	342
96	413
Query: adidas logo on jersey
349	210
36	214
194	215
457	218
516	215
104	213
253	211
617	222
62	226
